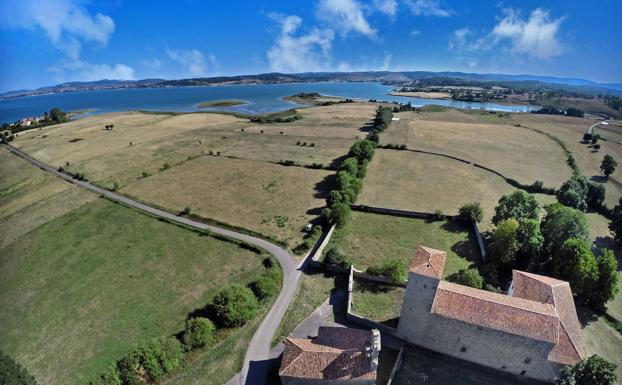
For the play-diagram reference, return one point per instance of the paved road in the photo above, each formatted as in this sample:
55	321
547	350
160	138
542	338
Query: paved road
259	346
590	129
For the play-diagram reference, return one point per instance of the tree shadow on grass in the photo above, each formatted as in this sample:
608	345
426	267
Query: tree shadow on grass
599	178
454	227
608	243
323	187
335	163
372	287
368	127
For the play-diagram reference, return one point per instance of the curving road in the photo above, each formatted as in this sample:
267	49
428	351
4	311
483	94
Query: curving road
259	346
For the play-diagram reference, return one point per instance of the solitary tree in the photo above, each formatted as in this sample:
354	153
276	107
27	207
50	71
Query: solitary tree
594	370
608	165
199	332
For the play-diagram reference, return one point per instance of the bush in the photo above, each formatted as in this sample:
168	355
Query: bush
468	277
594	370
268	285
234	305
110	376
199	332
186	211
150	360
12	373
471	212
336	257
395	270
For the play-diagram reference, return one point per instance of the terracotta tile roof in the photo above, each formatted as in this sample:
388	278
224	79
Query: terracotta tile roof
569	348
497	311
335	354
428	262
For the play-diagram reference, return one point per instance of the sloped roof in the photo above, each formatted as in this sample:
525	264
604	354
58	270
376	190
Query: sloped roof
335	354
428	262
497	311
569	348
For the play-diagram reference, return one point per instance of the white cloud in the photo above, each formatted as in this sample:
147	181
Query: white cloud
427	8
192	60
415	32
345	16
536	36
305	52
458	39
67	24
388	7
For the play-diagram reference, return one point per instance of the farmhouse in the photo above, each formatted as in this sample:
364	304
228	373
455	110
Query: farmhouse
336	356
532	331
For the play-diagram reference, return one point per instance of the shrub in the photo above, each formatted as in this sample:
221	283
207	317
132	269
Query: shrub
199	332
150	360
110	376
395	270
234	305
12	373
336	257
268	285
166	166
438	215
145	174
186	211
468	277
471	212
594	370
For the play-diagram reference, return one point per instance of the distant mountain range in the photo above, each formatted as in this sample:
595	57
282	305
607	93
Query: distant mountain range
388	77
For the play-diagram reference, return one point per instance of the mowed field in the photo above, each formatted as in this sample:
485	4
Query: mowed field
267	198
30	197
372	239
243	187
489	139
77	292
423	182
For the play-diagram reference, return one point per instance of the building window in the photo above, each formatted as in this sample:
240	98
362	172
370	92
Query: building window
527	360
463	349
522	373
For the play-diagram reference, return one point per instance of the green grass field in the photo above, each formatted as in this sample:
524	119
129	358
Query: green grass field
77	292
378	302
371	239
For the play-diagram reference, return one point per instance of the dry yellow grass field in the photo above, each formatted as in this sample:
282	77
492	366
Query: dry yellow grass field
422	182
570	130
263	197
486	139
29	198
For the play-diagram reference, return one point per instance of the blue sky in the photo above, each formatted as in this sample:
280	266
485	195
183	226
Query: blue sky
44	42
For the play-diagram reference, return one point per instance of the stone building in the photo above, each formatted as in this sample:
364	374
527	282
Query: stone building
532	331
336	356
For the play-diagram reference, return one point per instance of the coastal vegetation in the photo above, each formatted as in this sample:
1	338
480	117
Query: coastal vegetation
221	103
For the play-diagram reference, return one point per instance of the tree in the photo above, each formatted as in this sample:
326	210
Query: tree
575	263
199	332
468	277
573	192
12	373
562	223
334	197
471	212
607	285
530	242
595	195
594	370
336	257
58	116
519	204
505	242
340	214
395	270
616	221
269	284
595	139
608	165
363	150
234	305
350	165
